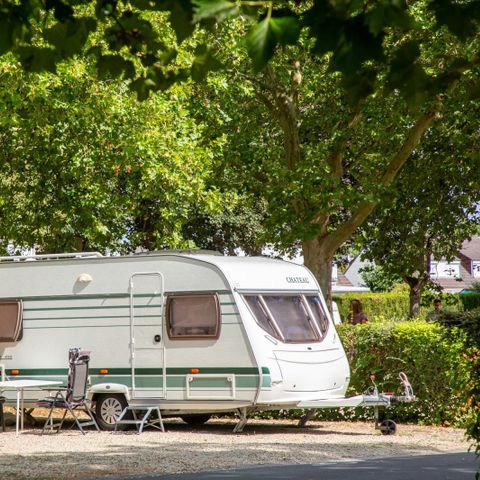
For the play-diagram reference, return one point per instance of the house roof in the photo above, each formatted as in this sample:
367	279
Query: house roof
343	280
471	248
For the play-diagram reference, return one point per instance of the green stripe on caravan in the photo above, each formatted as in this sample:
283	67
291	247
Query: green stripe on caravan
140	371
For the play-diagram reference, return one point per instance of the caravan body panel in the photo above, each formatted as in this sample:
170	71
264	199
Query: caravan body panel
90	302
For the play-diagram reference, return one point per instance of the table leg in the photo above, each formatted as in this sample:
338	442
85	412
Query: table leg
18	411
21	410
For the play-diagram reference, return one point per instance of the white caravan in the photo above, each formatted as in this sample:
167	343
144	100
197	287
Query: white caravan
192	333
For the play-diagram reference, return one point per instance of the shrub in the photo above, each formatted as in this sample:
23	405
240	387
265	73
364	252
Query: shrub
470	300
380	306
469	323
430	356
451	300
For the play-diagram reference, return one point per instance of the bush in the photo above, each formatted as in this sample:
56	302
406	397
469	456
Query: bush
431	357
470	300
450	300
469	323
378	306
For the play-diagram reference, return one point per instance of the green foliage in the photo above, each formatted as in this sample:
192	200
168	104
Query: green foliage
470	301
469	323
450	300
432	358
377	279
84	166
377	306
357	36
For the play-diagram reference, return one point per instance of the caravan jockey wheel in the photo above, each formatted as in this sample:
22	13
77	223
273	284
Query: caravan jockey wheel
388	427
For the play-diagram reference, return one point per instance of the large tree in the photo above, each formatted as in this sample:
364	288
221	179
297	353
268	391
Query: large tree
84	166
434	206
322	160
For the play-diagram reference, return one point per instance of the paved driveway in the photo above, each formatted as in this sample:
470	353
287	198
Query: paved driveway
450	466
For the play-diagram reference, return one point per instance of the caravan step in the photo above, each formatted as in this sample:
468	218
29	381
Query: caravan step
148	420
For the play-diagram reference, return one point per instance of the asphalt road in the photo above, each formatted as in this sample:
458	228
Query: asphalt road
450	466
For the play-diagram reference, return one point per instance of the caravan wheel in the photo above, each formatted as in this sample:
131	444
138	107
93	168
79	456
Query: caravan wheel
108	409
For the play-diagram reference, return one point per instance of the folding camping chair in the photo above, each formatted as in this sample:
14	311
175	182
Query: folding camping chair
74	396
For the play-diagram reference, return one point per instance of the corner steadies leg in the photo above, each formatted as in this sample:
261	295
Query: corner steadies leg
308	416
376	416
243	414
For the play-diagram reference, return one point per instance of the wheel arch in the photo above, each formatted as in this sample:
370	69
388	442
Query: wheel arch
103	388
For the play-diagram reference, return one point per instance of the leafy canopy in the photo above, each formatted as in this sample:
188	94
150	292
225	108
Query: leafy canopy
124	38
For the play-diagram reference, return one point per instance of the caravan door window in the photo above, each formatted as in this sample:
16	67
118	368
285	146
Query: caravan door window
193	316
291	318
11	320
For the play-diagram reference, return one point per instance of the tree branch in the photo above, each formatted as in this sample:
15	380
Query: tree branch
365	208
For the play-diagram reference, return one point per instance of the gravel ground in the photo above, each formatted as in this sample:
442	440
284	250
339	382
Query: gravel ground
212	446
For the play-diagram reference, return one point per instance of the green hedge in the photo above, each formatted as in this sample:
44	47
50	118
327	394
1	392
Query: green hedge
470	301
378	306
431	357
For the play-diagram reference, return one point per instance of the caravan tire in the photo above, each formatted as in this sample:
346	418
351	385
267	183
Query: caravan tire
198	419
108	409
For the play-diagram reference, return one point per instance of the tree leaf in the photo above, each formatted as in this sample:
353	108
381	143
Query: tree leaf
217	9
260	43
37	59
69	37
204	62
458	18
390	14
286	30
62	11
181	19
263	37
114	66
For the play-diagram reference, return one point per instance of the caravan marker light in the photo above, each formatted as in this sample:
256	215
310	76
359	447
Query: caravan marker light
15	372
194	370
103	371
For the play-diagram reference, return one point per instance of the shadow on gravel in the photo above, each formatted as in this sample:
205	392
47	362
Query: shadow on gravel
212	428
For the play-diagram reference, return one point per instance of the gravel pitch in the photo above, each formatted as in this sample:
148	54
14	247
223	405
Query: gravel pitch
213	446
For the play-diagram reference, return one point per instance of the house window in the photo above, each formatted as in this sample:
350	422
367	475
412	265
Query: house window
442	269
193	316
476	269
11	320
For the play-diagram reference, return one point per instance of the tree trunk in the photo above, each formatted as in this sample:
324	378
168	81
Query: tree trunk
416	286
320	264
415	294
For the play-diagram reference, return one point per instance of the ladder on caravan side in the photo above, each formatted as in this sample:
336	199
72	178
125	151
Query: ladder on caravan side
147	347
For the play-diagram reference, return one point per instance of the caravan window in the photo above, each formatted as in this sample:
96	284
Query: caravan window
193	316
318	313
260	314
291	318
11	317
